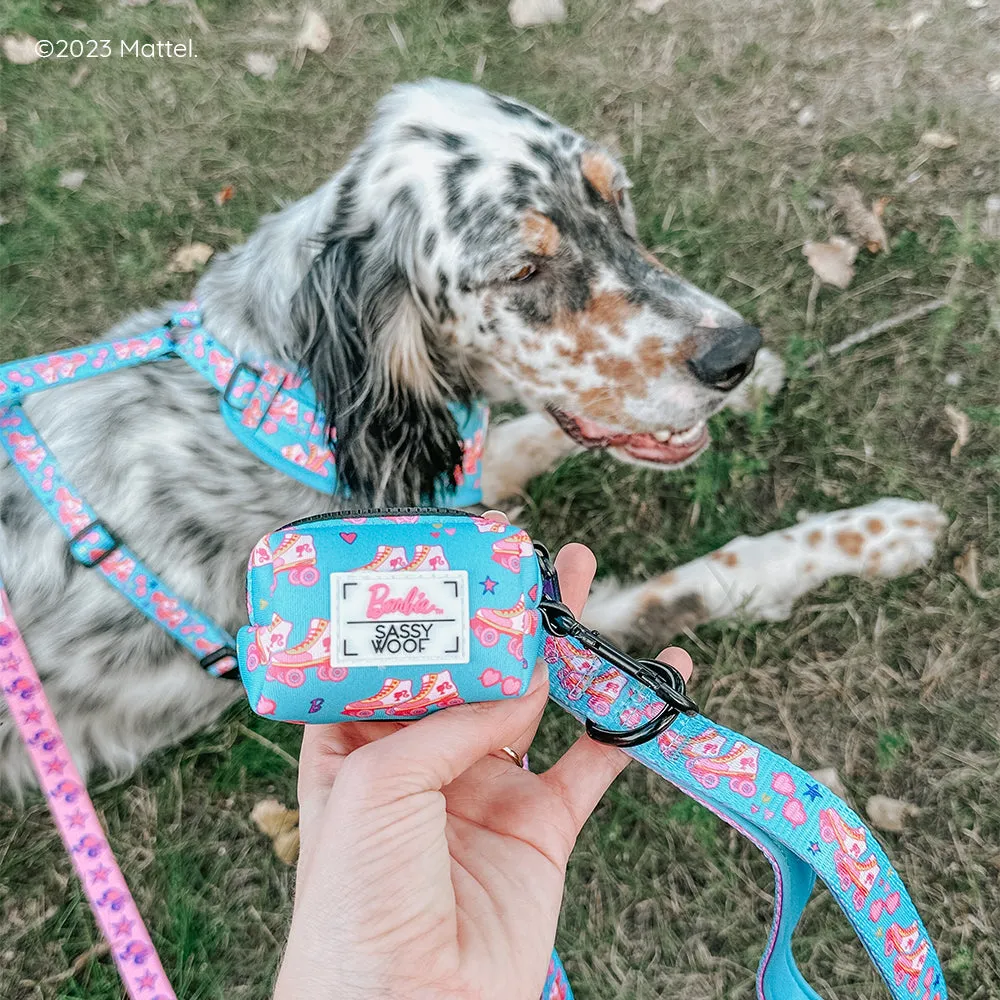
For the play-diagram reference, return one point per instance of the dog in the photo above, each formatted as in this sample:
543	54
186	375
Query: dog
470	247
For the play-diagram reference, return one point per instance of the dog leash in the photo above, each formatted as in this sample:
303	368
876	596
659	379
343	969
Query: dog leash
76	819
800	826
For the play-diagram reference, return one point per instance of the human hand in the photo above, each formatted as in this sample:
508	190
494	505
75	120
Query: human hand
431	866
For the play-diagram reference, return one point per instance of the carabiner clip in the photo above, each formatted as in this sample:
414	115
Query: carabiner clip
663	679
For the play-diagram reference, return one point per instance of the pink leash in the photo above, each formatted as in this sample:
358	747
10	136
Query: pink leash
76	819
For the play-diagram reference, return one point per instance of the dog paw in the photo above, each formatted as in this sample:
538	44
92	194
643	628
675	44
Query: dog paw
898	535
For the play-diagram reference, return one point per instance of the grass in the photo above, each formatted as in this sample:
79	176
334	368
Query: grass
893	684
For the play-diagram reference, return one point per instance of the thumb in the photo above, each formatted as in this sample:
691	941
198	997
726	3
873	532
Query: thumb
432	752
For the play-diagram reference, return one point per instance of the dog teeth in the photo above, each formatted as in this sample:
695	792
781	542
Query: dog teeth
691	434
681	437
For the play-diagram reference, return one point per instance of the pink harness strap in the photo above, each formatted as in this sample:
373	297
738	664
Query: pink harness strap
76	819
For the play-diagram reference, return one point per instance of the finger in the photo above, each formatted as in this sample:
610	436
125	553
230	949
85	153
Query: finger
432	752
576	565
496	515
679	659
582	775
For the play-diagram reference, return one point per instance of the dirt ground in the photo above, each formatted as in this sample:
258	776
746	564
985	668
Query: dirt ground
737	123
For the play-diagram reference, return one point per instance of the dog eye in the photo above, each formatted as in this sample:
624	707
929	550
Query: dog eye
523	273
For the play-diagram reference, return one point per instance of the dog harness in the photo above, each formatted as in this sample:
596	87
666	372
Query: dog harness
270	409
802	828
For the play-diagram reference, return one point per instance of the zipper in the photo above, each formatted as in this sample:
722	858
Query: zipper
377	512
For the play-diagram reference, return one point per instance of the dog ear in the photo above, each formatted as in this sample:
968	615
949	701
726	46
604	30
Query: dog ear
365	345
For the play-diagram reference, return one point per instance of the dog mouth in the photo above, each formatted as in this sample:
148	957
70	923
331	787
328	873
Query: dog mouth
669	448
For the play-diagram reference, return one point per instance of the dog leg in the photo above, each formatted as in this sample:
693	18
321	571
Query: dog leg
761	578
518	450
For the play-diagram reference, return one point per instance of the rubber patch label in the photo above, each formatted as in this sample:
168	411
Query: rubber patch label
384	619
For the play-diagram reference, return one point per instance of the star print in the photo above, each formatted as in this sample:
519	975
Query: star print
147	981
99	874
812	792
488	585
55	766
124	926
814	847
78	819
33	715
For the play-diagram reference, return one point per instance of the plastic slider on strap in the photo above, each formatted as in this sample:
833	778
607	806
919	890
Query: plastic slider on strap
213	659
91	554
245	371
270	378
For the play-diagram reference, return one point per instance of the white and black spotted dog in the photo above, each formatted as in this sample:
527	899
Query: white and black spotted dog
471	246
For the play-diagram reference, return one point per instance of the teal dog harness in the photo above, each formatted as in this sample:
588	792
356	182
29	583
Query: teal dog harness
270	409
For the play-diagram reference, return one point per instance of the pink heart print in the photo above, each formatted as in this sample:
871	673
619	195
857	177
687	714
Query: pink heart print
783	783
768	814
889	905
449	531
533	593
349	536
794	812
489	677
265	706
511	686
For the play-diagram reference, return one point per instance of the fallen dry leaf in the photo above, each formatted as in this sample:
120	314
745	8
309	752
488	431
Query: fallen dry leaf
939	140
863	223
286	846
889	814
961	425
20	49
72	179
828	776
226	194
261	64
967	567
833	261
187	258
650	6
281	825
528	13
315	34
272	818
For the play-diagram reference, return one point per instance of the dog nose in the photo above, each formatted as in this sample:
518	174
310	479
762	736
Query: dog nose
729	359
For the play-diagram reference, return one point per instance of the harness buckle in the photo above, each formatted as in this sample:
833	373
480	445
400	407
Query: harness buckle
92	561
210	659
241	368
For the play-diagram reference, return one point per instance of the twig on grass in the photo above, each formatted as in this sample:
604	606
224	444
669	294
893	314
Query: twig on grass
876	328
265	742
78	965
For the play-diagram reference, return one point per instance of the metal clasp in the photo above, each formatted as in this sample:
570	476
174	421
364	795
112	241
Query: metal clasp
661	678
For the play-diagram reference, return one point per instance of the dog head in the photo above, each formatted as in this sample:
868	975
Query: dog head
477	245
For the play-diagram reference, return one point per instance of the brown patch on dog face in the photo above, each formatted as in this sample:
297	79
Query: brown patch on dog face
601	405
652	356
875	526
622	371
814	538
599	171
851	542
726	558
872	564
809	567
540	234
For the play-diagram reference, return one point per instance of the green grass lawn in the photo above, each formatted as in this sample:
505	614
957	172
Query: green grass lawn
894	684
